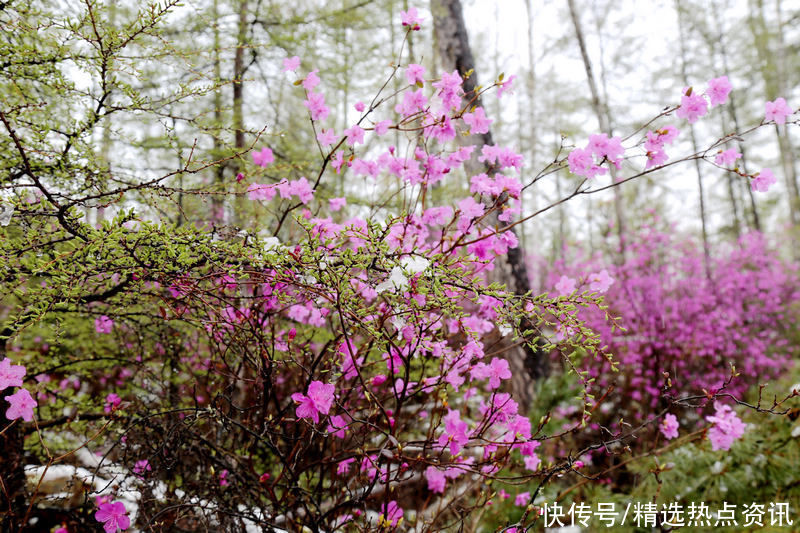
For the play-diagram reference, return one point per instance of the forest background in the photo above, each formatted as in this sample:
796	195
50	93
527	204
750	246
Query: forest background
161	119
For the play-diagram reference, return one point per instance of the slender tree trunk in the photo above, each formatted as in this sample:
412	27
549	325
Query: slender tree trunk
531	122
410	38
734	116
784	141
701	191
729	182
238	99
770	64
218	199
717	44
455	54
603	119
105	139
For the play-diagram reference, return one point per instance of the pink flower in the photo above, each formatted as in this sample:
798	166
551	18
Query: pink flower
103	324
411	18
382	127
337	203
141	467
415	74
413	102
392	513
532	462
257	191
311	80
338	426
718	90
693	106
565	286
10	375
291	63
455	432
355	135
344	466
522	499
436	479
727	158
601	146
450	90
763	181
581	163
496	370
342	520
22	405
726	429
359	106
319	400
505	86
477	121
113	516
777	111
62	529
668	134
669	426
223	479
316	106
470	208
112	403
302	189
656	158
264	157
326	137
600	281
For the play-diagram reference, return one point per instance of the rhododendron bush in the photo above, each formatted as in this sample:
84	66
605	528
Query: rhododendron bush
687	330
332	369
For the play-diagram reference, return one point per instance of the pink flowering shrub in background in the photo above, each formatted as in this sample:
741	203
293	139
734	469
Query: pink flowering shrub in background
683	330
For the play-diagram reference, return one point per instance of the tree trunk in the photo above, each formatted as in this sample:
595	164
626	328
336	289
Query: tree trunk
603	119
771	72
238	100
701	191
784	140
455	54
734	116
218	200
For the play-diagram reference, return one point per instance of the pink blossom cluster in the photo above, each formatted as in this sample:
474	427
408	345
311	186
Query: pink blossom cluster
654	145
587	161
777	110
694	105
726	427
688	326
21	402
301	189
